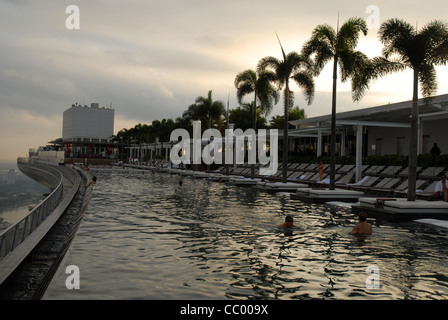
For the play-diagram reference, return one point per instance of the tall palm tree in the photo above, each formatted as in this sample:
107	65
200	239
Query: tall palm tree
339	45
420	50
261	86
293	66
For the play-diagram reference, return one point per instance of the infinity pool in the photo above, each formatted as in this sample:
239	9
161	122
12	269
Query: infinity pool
146	237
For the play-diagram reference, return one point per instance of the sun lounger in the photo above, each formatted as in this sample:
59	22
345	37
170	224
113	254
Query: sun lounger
390	171
405	172
346	168
327	167
380	184
431	172
306	176
346	179
373	170
386	189
427	192
294	166
303	166
364	183
402	189
294	176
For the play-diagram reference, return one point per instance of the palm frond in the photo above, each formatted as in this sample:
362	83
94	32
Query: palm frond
428	80
348	34
268	63
396	36
243	90
246	76
436	35
266	92
245	83
321	46
305	82
368	70
281	47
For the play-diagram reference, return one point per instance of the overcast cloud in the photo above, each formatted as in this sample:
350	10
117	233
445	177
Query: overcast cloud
151	59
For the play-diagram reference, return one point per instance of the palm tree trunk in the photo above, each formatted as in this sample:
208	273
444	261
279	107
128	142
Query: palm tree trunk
285	133
413	146
333	125
255	128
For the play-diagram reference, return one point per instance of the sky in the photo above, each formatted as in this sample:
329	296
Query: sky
150	59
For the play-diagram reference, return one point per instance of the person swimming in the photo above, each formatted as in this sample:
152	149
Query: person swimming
92	182
289	223
362	228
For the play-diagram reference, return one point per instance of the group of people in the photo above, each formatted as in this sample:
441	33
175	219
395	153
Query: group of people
362	228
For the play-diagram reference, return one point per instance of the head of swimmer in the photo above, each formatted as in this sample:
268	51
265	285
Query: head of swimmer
289	221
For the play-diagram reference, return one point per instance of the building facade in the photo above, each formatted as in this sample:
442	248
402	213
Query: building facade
82	122
377	131
87	131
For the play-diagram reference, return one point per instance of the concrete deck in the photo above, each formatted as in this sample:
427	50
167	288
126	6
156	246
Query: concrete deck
280	186
313	195
401	209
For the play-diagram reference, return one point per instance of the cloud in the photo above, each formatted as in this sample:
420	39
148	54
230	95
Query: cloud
151	59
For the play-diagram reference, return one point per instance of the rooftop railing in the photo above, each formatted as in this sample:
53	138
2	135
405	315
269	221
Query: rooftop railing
14	235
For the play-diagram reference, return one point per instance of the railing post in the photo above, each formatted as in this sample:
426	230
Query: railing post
16	236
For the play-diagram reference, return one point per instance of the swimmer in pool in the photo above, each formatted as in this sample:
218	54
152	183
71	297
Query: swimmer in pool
363	227
93	181
289	223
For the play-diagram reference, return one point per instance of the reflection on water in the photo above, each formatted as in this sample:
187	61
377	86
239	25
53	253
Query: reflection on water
14	214
145	237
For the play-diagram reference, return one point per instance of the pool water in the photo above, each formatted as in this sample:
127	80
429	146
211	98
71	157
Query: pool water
144	236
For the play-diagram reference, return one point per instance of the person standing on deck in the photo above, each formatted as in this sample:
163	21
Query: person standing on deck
321	170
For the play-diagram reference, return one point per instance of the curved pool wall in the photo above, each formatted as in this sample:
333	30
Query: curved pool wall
20	243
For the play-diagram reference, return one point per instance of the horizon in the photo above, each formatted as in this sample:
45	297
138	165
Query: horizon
151	59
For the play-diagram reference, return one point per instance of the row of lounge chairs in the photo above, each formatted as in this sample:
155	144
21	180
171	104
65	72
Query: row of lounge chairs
386	181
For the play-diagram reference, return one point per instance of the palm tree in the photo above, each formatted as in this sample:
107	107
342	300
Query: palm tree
242	116
326	44
294	114
208	109
205	108
293	66
406	47
260	85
